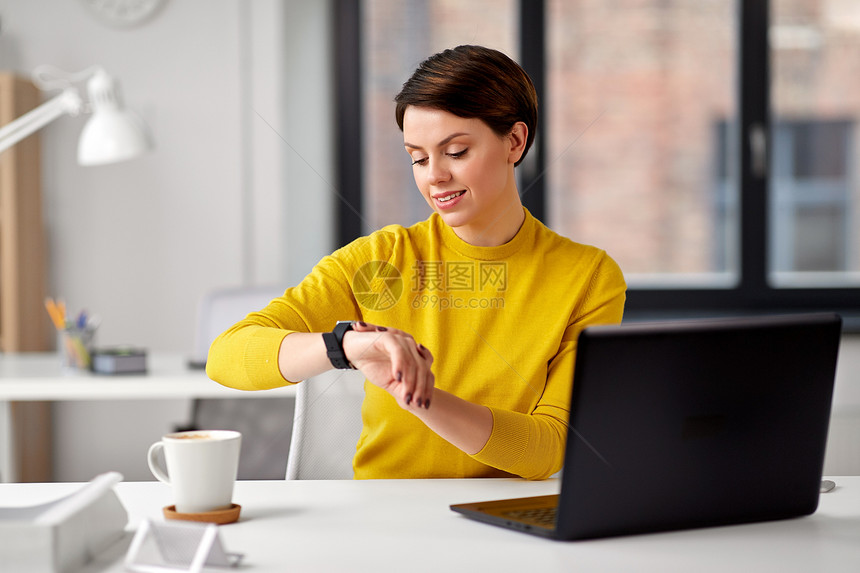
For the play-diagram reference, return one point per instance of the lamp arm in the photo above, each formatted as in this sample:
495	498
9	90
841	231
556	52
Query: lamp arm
68	102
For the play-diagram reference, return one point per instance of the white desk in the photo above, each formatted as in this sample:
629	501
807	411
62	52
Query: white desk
405	525
40	377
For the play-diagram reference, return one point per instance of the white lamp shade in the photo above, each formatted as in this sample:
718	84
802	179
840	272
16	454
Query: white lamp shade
112	135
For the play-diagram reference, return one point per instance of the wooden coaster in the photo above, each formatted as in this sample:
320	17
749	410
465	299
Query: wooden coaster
219	516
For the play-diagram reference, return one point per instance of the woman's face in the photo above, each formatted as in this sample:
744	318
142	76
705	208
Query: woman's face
465	171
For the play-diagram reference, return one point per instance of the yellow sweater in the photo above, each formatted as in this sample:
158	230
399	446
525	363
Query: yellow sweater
501	323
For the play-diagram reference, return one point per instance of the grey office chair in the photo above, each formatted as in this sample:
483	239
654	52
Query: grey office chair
326	426
265	422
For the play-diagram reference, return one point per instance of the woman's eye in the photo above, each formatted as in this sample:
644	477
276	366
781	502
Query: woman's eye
453	155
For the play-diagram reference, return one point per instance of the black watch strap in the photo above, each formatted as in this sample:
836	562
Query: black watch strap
334	345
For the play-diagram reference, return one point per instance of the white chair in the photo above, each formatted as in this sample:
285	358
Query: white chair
326	426
265	423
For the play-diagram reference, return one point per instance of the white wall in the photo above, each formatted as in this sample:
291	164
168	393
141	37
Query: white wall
223	194
236	93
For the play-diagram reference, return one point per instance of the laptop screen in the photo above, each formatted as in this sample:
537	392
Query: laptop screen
698	422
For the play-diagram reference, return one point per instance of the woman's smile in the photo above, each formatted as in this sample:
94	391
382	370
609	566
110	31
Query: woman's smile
447	200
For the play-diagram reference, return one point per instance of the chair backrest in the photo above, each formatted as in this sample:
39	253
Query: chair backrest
219	309
326	426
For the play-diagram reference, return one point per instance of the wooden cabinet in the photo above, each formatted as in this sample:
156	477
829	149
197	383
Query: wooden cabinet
24	326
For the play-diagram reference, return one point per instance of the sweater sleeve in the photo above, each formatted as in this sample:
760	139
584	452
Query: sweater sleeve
246	355
531	445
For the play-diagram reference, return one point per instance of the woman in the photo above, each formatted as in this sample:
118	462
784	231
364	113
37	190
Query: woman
466	323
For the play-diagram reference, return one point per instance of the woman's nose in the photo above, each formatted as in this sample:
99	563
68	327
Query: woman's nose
437	172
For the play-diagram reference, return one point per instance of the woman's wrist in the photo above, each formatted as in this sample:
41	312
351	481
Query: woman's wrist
302	355
464	424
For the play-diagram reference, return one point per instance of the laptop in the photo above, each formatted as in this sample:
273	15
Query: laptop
685	424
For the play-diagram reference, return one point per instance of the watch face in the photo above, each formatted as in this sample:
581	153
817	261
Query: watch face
123	13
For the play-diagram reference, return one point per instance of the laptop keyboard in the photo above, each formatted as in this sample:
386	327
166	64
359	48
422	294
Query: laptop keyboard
543	516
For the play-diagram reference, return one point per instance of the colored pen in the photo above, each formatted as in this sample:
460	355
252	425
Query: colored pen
57	314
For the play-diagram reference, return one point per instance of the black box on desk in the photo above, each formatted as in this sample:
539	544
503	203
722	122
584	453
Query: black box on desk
120	360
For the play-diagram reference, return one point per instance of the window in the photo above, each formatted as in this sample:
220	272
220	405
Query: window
397	36
709	146
812	236
815	177
633	91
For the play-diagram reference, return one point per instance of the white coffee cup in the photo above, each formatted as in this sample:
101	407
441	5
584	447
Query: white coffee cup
201	468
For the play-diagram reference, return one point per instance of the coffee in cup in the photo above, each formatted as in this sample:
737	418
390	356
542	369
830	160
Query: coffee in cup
201	468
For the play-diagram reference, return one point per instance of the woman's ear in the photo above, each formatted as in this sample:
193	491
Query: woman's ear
517	137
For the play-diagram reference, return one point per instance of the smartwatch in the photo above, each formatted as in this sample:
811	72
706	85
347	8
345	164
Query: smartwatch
334	345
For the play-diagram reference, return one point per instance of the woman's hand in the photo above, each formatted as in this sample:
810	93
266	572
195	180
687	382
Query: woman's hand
392	360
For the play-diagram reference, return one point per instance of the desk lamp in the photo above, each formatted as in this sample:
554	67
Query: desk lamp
112	134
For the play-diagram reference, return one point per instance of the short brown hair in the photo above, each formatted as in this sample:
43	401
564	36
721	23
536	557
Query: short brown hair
474	82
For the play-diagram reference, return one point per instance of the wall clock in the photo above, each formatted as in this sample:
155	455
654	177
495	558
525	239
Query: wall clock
124	13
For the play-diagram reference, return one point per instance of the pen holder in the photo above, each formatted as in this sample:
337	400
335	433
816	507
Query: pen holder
75	346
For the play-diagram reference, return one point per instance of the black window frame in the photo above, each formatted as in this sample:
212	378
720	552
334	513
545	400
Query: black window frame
752	295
